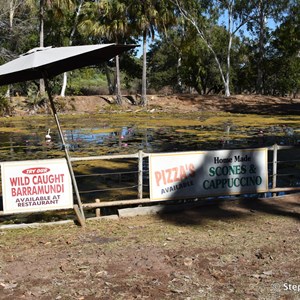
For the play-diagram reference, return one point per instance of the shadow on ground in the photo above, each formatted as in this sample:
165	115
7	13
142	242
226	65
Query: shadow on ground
229	210
281	109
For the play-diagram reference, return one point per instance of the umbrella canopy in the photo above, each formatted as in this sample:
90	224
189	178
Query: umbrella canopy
48	62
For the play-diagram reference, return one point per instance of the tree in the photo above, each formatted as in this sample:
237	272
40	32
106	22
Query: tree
107	19
258	17
286	47
197	69
16	29
203	15
11	8
161	61
75	23
56	6
148	17
166	57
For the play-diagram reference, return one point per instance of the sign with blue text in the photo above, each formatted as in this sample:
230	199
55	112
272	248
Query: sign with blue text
36	185
208	173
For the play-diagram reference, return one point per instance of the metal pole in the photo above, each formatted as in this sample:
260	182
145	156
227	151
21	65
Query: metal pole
65	148
140	174
274	179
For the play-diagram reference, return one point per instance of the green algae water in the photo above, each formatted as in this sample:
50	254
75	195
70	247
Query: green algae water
23	138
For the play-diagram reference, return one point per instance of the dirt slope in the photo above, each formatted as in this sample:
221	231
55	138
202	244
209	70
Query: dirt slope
183	103
188	103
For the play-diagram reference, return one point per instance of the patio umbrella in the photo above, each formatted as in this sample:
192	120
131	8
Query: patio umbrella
48	62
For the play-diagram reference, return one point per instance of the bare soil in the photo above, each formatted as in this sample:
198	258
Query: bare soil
234	104
171	103
246	249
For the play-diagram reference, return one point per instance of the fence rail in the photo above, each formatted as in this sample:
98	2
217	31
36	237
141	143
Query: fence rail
140	177
273	189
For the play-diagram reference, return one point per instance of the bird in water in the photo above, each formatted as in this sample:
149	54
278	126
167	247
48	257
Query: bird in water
48	136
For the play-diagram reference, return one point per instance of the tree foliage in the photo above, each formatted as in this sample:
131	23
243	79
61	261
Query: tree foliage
219	46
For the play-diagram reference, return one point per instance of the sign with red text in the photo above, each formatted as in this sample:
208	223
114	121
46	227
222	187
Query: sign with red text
208	173
37	185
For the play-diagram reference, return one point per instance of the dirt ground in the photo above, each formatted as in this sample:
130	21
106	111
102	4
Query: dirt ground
247	249
171	103
235	104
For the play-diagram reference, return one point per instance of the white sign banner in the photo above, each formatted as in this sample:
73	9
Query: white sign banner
36	185
208	173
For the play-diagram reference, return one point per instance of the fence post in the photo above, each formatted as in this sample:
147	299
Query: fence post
140	174
98	211
274	179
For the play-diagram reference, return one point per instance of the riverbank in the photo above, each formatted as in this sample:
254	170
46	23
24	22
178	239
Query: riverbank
167	103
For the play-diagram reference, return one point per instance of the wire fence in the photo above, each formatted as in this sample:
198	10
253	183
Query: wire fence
123	180
130	185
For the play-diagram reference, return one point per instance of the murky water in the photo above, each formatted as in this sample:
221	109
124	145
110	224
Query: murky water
23	139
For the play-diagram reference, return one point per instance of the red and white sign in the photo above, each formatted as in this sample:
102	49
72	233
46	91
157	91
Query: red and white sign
36	185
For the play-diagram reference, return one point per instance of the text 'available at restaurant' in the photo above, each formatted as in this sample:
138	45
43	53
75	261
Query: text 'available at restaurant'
36	185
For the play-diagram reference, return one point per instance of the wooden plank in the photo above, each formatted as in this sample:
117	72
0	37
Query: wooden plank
102	157
119	202
285	189
147	200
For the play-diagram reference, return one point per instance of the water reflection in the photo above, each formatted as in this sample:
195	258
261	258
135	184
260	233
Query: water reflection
80	139
103	140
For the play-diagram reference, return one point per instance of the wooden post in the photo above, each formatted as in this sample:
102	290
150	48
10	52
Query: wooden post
79	206
140	174
80	218
98	211
274	179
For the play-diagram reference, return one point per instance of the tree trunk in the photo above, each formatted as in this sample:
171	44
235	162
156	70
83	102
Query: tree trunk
179	80
65	78
109	83
227	80
261	51
64	85
42	83
118	82
11	19
144	101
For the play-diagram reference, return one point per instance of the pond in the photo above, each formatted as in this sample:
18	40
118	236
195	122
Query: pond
102	134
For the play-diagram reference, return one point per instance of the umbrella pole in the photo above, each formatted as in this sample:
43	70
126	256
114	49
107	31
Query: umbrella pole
80	212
